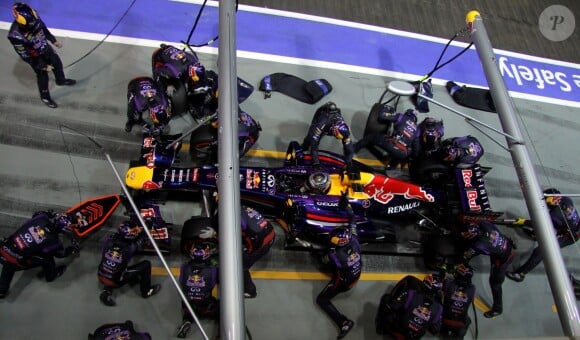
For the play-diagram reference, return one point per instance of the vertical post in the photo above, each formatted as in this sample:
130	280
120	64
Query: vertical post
553	262
232	324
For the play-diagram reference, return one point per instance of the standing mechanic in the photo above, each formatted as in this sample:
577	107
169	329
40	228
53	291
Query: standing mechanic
486	239
345	260
114	270
29	37
35	244
328	121
458	295
566	221
143	94
401	143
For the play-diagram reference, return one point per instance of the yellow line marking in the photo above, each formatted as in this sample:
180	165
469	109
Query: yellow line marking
292	275
282	155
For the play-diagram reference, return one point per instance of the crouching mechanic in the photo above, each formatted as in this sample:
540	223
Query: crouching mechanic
458	295
460	152
198	279
114	270
114	331
411	309
35	244
345	260
171	65
143	94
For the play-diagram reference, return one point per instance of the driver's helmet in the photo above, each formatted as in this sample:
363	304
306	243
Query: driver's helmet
470	231
319	183
129	230
432	284
196	72
340	236
24	15
64	222
431	132
340	130
463	272
202	251
552	201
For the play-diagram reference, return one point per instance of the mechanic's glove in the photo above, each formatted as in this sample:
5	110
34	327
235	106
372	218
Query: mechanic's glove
353	229
152	131
522	222
343	203
316	166
48	68
58	44
352	172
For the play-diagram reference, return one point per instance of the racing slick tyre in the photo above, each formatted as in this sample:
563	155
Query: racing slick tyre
190	231
373	125
178	95
429	171
442	250
201	145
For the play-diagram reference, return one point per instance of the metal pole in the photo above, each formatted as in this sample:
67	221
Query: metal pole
231	297
557	275
155	247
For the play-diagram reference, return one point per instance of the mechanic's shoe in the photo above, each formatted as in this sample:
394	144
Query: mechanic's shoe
491	313
517	277
49	102
250	295
67	82
152	291
345	328
3	295
57	273
106	298
60	270
183	329
128	126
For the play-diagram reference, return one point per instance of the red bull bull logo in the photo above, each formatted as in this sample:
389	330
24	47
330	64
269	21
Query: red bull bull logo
383	189
196	280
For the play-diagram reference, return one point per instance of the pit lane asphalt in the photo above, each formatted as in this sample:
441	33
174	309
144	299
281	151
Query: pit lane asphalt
43	167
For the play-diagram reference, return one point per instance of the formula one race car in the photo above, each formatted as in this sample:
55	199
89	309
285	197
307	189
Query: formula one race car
391	215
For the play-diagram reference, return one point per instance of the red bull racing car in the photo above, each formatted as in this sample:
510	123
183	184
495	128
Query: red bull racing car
392	215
